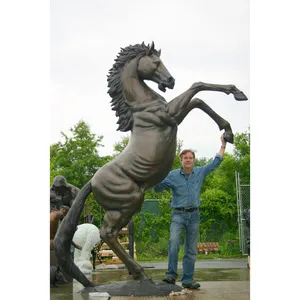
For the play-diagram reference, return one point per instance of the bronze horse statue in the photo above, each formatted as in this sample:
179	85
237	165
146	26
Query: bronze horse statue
119	186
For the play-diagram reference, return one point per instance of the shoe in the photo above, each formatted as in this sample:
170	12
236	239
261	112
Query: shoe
169	279
191	285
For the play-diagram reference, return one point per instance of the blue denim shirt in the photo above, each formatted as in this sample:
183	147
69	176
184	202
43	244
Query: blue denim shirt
186	191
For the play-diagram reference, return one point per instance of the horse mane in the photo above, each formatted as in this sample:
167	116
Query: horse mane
115	90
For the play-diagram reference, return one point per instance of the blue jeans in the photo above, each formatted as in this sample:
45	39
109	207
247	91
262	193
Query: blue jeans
188	222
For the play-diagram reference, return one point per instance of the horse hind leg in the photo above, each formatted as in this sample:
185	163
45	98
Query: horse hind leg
222	123
113	222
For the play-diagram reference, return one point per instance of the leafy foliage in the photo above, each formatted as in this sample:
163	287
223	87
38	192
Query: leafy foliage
218	214
77	159
152	230
242	155
121	145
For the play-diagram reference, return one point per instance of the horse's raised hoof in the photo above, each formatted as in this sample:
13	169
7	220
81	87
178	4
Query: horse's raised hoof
240	96
228	137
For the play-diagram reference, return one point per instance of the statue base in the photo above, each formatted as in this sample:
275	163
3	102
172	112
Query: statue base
135	288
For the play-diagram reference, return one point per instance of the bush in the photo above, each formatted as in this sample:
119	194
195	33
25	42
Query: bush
229	244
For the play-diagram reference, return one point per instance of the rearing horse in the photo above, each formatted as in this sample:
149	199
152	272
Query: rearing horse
119	186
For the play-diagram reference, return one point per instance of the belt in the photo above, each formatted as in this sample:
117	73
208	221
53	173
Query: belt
186	209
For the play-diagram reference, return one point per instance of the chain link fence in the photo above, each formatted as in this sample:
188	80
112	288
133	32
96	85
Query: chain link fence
243	204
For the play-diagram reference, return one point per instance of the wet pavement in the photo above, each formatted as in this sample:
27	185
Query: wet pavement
220	279
218	263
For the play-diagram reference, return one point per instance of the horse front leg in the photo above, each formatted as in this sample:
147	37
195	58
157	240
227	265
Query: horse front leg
181	102
227	89
222	123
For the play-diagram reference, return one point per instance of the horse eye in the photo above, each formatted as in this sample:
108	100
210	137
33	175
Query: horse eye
156	62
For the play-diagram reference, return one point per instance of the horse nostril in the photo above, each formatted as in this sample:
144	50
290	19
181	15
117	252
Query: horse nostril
171	79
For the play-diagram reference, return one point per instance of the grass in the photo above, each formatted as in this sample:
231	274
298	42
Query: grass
218	255
199	256
228	248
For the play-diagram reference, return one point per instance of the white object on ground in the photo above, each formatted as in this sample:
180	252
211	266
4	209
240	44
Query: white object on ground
87	236
98	296
183	292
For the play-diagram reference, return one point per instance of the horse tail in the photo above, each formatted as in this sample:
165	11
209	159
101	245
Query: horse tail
63	238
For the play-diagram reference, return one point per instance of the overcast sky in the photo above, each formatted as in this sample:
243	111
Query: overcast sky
200	41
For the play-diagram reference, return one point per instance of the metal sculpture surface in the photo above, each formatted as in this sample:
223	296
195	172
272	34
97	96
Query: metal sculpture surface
119	185
64	192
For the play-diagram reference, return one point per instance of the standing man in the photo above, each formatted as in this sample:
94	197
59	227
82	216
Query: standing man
65	192
186	184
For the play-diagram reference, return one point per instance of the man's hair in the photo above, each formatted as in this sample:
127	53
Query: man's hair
186	151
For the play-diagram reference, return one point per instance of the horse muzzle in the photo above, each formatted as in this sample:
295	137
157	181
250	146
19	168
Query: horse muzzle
170	83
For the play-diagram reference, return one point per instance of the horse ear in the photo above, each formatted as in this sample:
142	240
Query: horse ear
152	46
159	52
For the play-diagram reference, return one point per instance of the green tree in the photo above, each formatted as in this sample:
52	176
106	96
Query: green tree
241	153
179	148
218	196
199	162
77	159
218	214
121	145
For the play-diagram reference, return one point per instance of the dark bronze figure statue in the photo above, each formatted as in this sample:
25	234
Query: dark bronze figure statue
56	276
119	185
65	192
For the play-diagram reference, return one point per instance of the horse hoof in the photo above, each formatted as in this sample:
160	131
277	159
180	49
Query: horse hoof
240	96
147	280
143	277
228	137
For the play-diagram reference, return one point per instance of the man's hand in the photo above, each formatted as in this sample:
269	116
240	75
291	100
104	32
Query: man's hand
223	141
223	145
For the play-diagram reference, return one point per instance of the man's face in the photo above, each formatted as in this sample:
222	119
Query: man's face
187	160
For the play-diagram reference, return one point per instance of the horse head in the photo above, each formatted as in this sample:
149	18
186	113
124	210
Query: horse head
150	67
133	65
